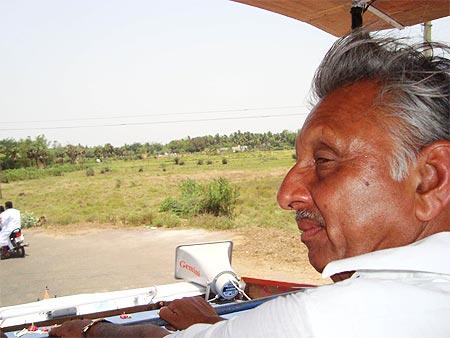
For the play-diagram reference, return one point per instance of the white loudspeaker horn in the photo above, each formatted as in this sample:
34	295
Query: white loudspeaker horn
208	264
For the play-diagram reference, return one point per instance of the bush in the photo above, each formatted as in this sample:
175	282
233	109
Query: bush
28	220
199	162
209	162
180	162
220	198
172	205
217	198
224	161
294	156
90	172
176	160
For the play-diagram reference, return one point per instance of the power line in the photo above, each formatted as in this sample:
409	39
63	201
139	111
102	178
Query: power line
155	122
155	115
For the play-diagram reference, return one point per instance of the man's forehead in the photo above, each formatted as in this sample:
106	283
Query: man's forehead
348	110
351	103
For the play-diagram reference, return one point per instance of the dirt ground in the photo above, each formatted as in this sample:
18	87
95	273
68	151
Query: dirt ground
80	259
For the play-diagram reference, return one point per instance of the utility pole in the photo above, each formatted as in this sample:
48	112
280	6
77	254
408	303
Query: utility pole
427	36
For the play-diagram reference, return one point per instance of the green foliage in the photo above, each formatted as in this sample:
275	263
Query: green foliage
38	153
12	175
90	171
220	198
56	171
217	198
180	162
199	162
28	220
209	162
294	157
224	161
171	204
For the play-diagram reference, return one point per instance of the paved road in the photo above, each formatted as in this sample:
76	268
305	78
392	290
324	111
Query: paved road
93	261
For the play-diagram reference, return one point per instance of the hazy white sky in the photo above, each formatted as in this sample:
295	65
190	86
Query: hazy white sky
154	70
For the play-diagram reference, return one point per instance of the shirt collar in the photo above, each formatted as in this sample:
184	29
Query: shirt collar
430	254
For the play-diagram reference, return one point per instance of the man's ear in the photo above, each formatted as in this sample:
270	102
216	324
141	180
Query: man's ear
433	189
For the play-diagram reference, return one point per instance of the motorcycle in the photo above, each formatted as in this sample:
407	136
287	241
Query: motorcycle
17	248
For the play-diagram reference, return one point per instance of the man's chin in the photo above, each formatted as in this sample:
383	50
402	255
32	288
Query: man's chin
318	263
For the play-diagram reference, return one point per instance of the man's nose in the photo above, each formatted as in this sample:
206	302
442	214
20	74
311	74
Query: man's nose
293	192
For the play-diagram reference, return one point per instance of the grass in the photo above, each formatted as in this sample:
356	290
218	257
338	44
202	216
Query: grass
130	192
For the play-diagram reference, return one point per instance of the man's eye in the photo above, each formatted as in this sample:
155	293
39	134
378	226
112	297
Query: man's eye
322	160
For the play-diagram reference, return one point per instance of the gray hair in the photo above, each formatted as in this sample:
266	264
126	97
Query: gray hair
416	88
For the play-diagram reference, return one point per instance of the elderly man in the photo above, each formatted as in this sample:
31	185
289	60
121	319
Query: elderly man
371	191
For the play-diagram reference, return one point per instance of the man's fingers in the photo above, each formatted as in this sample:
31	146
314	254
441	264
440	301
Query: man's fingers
55	331
166	313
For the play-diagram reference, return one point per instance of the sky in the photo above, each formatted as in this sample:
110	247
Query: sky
110	71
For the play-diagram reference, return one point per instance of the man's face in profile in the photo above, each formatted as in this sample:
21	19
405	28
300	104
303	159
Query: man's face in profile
346	201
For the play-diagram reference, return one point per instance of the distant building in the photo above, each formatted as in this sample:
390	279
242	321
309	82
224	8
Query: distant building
239	148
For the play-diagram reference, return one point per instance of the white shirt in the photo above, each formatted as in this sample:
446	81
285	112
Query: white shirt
399	292
9	220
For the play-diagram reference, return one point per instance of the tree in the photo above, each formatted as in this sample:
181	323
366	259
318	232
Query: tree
75	153
37	151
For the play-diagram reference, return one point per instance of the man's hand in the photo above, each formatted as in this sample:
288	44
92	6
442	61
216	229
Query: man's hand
182	313
70	329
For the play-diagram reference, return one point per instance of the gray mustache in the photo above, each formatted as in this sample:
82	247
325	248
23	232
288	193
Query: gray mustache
310	215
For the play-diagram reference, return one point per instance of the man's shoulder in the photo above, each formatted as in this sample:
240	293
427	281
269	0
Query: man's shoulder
381	291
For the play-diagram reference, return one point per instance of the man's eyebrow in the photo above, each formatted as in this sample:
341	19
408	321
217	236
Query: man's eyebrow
325	144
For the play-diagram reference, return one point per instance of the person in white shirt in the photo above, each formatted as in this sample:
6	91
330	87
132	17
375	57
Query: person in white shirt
371	196
9	220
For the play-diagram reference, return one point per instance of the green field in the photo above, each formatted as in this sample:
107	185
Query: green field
129	193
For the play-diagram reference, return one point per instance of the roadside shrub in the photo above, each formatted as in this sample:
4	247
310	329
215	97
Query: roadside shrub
172	205
28	220
90	172
217	198
224	161
294	156
209	162
220	198
176	160
180	162
141	170
199	162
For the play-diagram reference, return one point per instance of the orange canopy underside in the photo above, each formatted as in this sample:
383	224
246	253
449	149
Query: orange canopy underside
333	16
